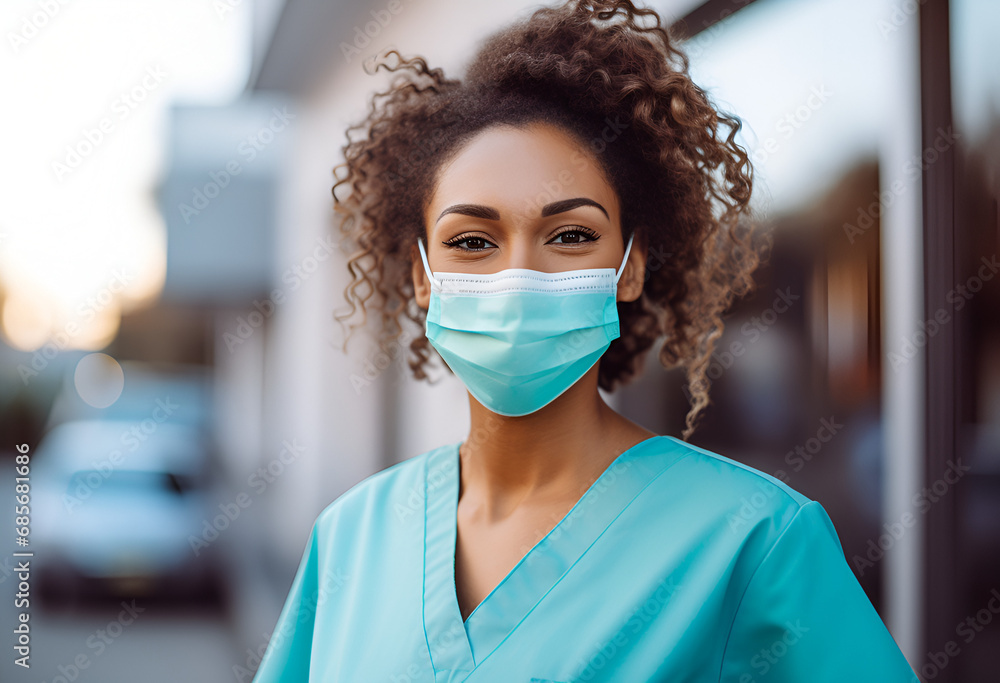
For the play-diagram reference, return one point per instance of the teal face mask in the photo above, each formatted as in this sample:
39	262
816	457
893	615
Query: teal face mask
519	338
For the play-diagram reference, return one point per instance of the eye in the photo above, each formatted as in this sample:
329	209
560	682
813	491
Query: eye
472	243
577	235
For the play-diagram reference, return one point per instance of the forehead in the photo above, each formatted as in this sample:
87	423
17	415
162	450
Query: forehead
517	170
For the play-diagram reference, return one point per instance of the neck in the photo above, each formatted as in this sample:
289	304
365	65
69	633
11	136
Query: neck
549	455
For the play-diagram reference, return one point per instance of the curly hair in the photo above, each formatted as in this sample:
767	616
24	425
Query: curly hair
683	182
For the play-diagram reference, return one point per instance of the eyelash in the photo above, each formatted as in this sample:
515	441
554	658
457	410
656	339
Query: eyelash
455	241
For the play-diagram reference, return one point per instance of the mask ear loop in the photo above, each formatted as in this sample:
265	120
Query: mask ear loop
621	268
427	267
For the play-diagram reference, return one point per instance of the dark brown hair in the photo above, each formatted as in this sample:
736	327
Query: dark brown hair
589	67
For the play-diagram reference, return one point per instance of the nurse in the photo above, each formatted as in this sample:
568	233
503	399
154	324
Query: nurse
571	202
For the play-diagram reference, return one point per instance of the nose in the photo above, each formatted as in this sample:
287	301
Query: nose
520	252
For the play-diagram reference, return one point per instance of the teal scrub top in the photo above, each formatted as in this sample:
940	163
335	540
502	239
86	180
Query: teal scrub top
677	564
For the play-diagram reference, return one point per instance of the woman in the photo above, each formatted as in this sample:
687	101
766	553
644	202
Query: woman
514	215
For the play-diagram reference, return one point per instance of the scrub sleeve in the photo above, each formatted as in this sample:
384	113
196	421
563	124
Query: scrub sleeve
289	649
805	617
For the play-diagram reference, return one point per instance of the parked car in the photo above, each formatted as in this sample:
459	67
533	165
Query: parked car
115	504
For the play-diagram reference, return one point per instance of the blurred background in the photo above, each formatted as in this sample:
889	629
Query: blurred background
168	279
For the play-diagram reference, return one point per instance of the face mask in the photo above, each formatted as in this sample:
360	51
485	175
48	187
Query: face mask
519	338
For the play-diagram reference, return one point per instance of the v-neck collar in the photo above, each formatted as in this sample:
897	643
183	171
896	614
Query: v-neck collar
456	647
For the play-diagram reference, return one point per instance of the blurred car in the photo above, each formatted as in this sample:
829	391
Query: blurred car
115	504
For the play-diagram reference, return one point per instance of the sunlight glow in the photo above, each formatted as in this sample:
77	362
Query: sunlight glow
88	89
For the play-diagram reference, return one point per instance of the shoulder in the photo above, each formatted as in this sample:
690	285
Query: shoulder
737	477
402	484
762	526
735	497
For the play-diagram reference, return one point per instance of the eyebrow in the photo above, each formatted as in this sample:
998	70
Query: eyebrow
491	214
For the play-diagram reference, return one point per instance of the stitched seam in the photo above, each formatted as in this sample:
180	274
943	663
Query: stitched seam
423	583
528	283
530	278
582	555
527	288
781	486
746	588
578	505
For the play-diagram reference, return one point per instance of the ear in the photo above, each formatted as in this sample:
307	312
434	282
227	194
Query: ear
421	286
634	275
